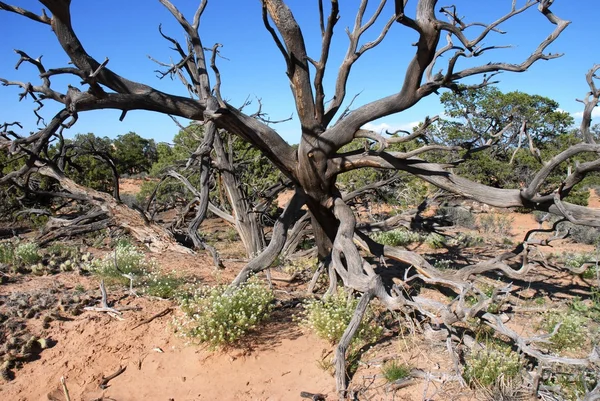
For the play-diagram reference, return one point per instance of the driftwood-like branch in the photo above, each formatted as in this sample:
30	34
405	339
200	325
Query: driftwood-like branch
439	176
104	381
63	383
340	352
593	359
591	102
104	307
278	239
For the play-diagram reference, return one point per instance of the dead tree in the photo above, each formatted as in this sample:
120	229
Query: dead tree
444	39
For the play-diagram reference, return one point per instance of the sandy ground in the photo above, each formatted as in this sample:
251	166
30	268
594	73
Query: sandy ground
277	365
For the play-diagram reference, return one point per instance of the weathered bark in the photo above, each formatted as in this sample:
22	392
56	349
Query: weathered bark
341	379
246	220
56	229
270	253
156	238
295	236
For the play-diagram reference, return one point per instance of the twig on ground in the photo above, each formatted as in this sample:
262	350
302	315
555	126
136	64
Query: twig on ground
159	314
64	387
105	380
314	397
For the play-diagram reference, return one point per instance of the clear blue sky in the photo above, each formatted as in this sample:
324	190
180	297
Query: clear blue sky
126	32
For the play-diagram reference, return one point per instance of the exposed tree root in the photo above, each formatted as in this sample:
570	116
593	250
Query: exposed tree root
341	378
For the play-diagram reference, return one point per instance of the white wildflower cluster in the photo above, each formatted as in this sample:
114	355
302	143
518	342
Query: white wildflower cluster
492	363
162	285
216	317
329	317
27	254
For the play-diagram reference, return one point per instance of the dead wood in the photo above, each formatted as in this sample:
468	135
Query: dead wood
313	396
65	389
159	314
104	381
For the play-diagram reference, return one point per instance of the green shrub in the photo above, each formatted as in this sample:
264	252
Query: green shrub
7	253
301	265
495	223
584	234
217	318
575	261
329	317
27	254
571	335
495	361
397	237
574	382
589	308
393	371
131	261
435	241
458	216
231	235
464	240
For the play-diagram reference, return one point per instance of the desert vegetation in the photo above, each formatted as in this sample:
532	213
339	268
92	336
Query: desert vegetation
379	244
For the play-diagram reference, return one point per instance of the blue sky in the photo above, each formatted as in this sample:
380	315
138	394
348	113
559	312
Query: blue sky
126	32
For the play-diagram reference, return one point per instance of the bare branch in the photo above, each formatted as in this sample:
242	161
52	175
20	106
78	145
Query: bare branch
437	175
419	132
213	65
200	72
297	61
327	35
590	102
18	10
353	53
530	192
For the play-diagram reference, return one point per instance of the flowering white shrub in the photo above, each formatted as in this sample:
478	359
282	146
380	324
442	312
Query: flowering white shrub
27	254
329	317
490	364
218	318
128	258
7	252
